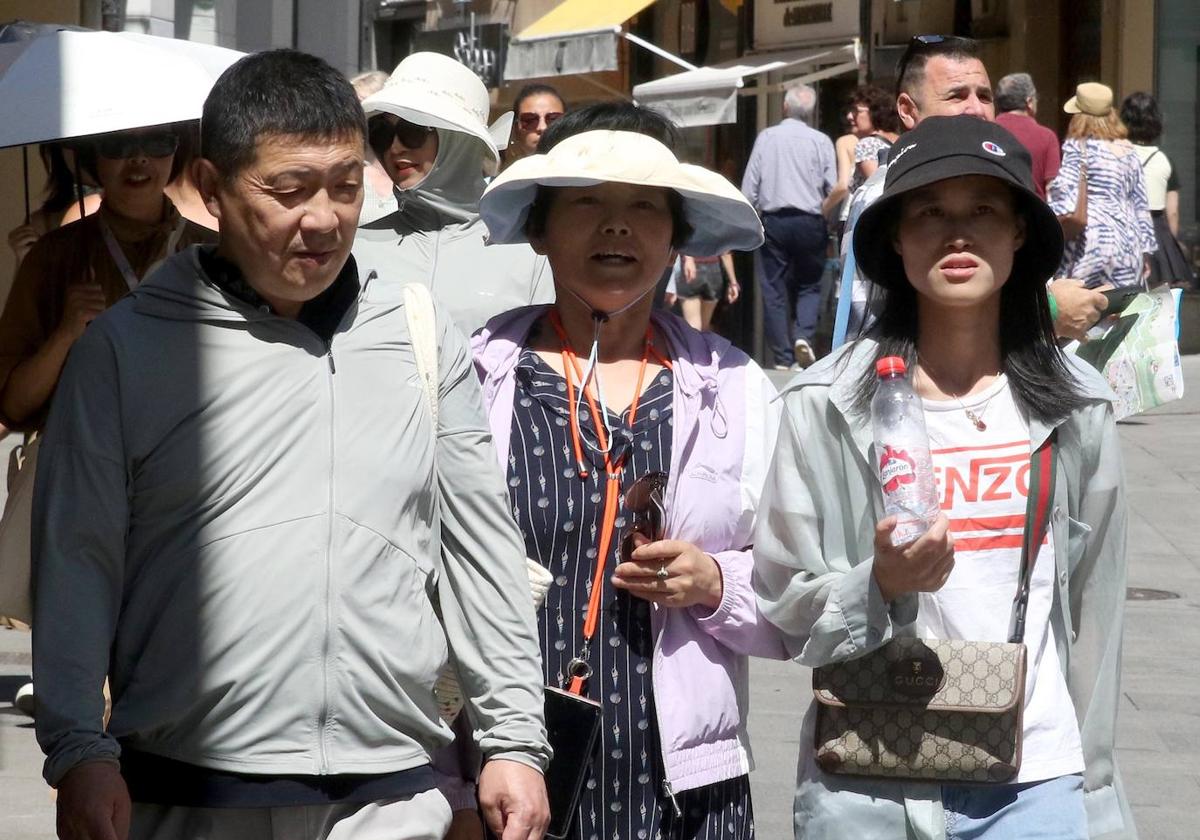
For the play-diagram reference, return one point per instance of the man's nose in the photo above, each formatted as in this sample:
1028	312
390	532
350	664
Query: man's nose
616	224
976	107
319	215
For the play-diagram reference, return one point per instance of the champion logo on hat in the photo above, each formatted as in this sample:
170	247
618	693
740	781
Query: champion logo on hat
992	149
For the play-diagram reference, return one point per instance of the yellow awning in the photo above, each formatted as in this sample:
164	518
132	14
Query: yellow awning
583	16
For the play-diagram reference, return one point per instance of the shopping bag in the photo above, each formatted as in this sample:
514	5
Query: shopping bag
1139	354
15	552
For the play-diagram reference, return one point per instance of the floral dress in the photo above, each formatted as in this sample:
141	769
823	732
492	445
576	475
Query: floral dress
560	516
1119	228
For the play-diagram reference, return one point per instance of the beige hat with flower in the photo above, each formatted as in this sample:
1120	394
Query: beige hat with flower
1091	98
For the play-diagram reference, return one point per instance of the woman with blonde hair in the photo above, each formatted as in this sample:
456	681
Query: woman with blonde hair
1110	234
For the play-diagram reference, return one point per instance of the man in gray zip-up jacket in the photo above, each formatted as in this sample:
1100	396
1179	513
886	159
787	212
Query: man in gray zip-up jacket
247	521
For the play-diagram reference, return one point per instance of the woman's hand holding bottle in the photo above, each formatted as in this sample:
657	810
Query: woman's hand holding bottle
923	565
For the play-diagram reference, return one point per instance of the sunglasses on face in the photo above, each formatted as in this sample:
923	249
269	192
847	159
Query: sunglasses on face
381	131
927	45
645	511
157	144
529	120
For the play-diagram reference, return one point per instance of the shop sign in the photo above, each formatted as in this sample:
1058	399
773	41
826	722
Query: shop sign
484	55
791	23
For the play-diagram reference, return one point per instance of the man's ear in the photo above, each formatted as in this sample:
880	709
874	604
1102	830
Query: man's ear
907	108
207	180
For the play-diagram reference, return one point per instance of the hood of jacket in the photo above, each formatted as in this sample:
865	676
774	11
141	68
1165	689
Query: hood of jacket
451	191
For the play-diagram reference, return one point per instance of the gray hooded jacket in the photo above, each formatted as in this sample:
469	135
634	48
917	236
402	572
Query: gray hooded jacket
436	237
253	533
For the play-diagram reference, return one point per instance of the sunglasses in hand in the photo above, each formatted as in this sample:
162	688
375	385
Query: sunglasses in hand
645	511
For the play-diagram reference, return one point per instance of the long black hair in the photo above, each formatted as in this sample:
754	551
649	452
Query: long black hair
1043	385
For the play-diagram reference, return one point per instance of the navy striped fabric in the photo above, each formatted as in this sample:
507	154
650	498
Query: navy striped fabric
560	516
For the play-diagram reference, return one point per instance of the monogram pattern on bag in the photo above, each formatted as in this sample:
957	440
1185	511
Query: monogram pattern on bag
968	731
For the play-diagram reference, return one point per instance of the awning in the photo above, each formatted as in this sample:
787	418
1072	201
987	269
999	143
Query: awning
708	95
576	36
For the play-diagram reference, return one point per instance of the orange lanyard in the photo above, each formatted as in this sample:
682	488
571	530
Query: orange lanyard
579	668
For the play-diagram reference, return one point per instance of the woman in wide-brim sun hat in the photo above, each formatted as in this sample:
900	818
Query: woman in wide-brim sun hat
960	248
600	384
428	126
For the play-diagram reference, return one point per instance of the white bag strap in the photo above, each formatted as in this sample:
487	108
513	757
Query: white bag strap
422	330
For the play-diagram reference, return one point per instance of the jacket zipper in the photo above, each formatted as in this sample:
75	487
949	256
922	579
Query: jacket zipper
323	722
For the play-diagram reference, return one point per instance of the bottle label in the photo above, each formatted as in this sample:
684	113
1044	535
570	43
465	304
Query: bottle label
896	469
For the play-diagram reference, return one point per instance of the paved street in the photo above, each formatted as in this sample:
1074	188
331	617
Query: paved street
1159	739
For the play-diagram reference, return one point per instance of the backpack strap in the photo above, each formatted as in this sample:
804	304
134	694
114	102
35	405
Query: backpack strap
422	331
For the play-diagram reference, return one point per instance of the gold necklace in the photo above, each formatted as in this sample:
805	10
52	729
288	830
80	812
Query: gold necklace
975	418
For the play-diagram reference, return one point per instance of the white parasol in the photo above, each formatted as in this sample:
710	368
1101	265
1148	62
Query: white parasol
71	84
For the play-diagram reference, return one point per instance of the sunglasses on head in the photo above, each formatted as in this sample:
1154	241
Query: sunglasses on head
156	144
381	131
645	511
529	120
927	45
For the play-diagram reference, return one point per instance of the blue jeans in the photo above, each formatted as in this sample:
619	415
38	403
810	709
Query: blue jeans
1049	810
793	260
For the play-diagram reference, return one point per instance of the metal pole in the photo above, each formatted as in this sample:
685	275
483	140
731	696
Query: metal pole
25	171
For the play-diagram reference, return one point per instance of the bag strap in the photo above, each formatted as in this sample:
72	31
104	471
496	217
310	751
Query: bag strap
1150	157
1042	468
422	331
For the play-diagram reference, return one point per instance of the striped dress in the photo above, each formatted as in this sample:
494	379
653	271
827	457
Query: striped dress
560	516
1119	228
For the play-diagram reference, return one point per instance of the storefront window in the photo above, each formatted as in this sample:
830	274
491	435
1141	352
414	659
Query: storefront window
1178	75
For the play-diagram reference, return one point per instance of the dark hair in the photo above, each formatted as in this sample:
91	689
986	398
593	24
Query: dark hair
535	89
276	93
60	180
1042	384
910	71
609	116
881	106
1141	116
86	156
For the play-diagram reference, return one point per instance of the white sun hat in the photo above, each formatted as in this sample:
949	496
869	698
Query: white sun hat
435	90
721	217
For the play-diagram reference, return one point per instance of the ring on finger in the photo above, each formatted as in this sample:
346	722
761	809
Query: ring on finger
662	573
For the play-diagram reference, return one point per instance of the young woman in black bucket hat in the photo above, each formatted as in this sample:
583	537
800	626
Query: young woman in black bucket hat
959	248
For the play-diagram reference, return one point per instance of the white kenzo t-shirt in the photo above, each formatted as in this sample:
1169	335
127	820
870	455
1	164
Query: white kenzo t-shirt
983	485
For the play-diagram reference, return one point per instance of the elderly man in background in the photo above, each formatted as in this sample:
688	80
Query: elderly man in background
943	75
1016	110
792	169
250	518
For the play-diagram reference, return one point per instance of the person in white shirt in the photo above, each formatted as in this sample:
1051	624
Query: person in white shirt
959	245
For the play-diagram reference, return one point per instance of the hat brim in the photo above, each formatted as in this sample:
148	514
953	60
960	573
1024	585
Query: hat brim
417	105
875	252
1071	106
719	215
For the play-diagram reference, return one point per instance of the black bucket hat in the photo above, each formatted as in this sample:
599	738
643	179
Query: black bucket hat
951	147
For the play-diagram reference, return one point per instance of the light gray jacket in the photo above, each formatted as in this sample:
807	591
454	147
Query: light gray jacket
252	533
813	557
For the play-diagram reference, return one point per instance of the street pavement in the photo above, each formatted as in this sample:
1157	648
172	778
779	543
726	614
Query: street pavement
1158	742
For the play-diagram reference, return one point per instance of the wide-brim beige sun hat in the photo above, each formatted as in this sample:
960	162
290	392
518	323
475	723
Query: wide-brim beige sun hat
435	90
720	216
1091	98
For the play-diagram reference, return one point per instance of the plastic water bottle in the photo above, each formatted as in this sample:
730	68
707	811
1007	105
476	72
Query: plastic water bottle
902	453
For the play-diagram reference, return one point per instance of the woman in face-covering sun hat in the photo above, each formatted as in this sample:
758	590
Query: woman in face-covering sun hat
960	247
428	128
589	395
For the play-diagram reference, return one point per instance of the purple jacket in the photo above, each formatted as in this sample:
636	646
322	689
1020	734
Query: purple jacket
724	430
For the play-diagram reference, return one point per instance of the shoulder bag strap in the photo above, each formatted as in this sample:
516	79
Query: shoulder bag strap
1150	157
422	331
1042	468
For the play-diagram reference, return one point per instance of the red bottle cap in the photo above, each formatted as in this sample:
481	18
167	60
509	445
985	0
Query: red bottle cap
890	366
